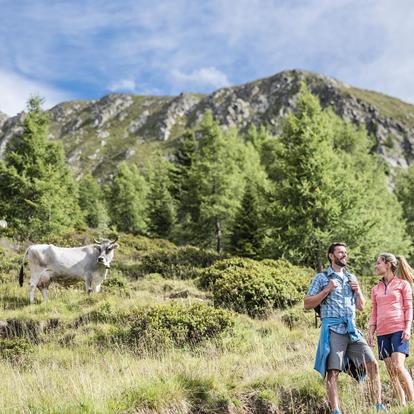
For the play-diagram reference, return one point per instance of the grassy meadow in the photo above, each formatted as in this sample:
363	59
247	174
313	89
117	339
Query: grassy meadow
152	342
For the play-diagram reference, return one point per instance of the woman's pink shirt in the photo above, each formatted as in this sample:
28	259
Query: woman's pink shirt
392	306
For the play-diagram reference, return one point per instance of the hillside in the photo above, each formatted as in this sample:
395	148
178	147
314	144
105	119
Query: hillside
152	342
97	135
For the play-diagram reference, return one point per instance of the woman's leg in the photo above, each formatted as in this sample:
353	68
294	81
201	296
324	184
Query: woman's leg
404	376
395	381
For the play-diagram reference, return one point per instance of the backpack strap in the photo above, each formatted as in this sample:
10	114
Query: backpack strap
317	308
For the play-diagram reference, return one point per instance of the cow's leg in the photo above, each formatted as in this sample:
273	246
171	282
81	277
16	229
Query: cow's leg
98	286
35	274
32	288
44	282
88	284
44	294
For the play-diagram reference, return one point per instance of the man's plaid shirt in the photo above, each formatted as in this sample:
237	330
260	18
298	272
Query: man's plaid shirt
340	302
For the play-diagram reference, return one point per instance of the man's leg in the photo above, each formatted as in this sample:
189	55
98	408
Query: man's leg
374	381
338	344
332	388
361	354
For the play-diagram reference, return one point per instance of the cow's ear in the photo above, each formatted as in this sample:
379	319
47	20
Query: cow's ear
114	246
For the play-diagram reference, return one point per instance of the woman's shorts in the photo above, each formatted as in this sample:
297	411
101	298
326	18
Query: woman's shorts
387	344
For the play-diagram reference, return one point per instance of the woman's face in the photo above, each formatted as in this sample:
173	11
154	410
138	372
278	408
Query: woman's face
381	267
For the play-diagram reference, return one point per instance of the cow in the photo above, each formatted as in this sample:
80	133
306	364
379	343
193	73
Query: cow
67	265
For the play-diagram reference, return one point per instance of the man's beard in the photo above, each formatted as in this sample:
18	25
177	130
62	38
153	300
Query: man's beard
339	263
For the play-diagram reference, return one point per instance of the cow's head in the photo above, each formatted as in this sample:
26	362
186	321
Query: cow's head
106	251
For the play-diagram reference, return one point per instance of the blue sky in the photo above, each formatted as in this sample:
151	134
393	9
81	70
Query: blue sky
85	49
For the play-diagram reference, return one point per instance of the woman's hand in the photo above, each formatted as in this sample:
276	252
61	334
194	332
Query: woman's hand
406	335
370	339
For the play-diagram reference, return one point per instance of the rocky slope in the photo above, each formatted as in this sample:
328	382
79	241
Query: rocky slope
99	134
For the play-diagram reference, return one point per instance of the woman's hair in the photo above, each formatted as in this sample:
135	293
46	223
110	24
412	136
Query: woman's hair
399	266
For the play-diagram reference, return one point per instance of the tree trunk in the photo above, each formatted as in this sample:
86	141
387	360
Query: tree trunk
218	235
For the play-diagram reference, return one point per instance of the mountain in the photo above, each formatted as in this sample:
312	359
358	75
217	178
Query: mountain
98	134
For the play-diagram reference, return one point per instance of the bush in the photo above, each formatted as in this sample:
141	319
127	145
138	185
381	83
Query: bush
182	262
116	282
255	287
175	324
128	268
104	313
14	349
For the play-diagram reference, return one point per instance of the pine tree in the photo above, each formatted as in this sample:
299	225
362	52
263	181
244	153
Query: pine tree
38	194
128	200
218	184
161	205
248	232
182	182
404	190
328	188
91	201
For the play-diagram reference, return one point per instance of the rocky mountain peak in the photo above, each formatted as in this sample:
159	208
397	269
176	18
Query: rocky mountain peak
98	134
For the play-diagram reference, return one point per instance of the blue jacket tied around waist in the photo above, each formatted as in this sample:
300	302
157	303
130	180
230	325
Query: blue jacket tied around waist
324	349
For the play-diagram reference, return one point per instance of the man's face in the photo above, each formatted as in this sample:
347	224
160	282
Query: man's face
339	256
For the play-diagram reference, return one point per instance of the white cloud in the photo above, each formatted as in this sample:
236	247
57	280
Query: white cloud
15	90
174	45
204	78
123	85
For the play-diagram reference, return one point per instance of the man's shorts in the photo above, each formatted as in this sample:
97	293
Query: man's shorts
359	351
387	344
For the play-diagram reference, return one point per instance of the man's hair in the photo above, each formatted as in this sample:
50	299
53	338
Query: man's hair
332	248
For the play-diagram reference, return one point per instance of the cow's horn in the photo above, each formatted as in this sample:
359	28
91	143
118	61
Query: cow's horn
96	241
116	238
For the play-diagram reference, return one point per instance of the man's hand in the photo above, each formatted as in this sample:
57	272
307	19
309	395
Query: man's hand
355	286
332	285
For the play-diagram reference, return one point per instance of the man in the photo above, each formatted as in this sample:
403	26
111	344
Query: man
338	293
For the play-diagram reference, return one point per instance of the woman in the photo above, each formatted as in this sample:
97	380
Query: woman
391	317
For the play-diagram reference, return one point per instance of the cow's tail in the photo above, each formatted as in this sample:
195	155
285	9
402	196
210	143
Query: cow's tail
21	273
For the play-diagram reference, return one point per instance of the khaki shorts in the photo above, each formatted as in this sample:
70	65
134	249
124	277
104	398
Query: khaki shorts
359	352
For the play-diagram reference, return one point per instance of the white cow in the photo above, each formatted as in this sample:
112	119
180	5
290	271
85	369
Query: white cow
48	263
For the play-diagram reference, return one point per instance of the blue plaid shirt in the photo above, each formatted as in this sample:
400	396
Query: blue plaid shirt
340	303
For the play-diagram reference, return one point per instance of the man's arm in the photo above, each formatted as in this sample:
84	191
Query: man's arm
311	301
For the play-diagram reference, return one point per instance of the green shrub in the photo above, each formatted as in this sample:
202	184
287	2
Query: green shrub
127	268
14	349
175	324
182	262
116	282
104	313
255	287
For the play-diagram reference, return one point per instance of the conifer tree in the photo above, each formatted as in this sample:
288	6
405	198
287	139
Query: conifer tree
183	184
127	200
404	190
218	183
328	188
248	231
161	205
38	195
92	204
